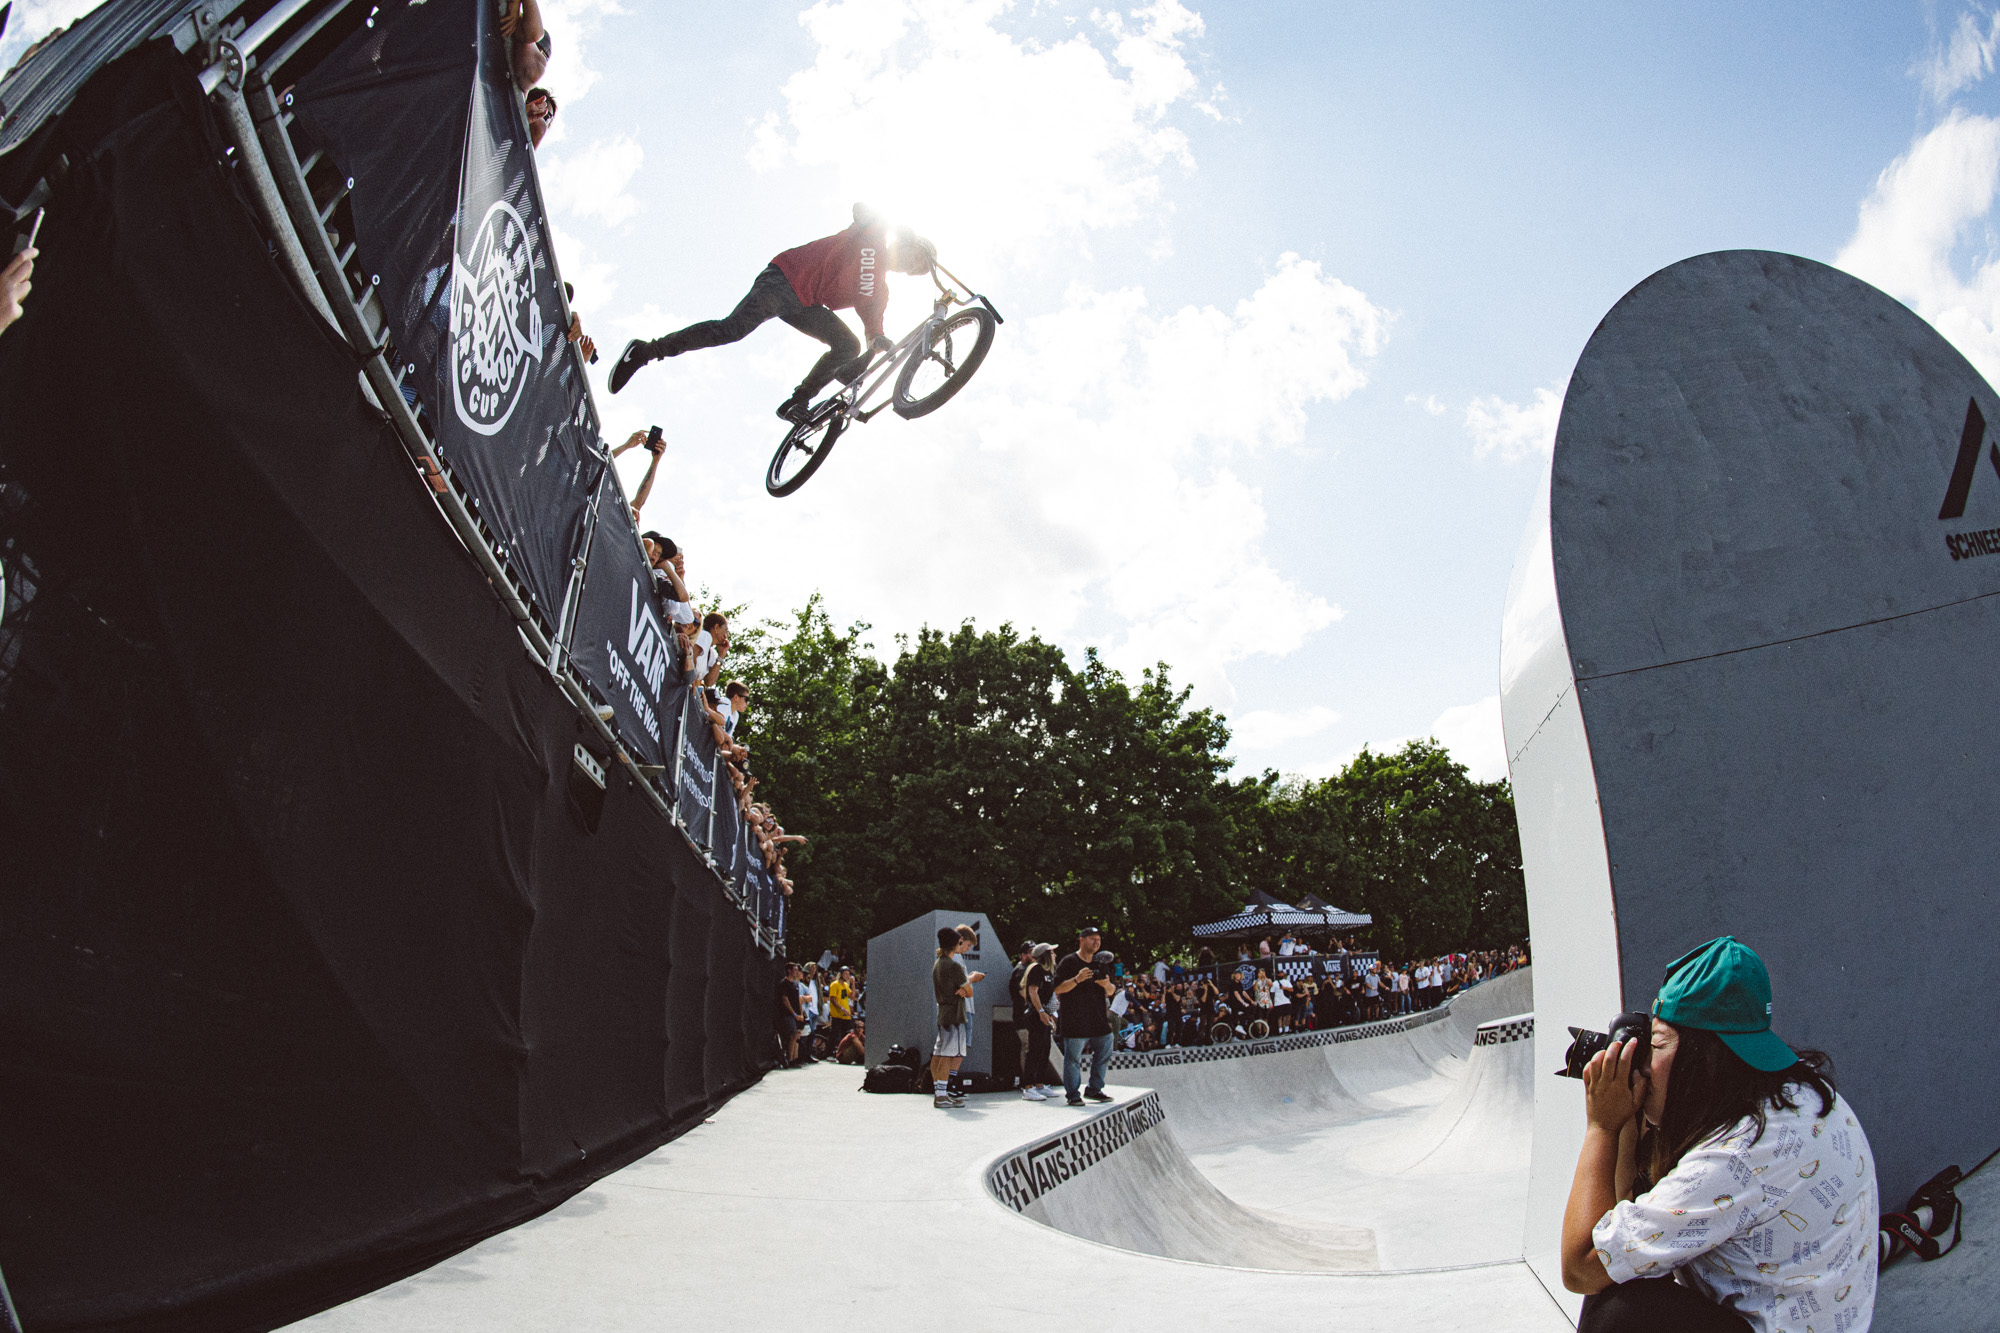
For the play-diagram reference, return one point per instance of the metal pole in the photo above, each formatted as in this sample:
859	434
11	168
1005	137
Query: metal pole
680	745
559	647
714	785
264	191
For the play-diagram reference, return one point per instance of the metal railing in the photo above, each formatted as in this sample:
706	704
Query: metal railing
298	225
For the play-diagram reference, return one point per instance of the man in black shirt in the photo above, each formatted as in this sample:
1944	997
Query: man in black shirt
1084	1020
789	1013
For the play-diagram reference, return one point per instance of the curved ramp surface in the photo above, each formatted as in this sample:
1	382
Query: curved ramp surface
1121	1178
1403	1150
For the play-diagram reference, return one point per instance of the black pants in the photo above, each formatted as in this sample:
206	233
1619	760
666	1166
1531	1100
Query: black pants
1035	1064
1656	1305
772	297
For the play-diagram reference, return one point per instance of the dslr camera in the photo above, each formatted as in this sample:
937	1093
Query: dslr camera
1585	1043
1101	963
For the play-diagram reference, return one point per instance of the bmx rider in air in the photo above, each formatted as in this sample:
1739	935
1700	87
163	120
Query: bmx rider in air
803	287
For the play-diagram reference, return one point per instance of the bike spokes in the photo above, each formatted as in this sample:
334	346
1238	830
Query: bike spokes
805	448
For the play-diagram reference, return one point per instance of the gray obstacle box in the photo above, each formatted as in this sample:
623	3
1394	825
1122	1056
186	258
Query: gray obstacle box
1748	674
901	1007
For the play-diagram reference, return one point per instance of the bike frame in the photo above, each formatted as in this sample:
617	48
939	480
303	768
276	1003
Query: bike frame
856	399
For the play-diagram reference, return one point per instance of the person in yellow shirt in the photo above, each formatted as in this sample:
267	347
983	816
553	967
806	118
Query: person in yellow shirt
840	1001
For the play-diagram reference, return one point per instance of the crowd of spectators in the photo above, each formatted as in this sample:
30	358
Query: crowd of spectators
821	1014
1175	1005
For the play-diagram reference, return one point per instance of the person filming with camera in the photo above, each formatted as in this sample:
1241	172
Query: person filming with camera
1723	1183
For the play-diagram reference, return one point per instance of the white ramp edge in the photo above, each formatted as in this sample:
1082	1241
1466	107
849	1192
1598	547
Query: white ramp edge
1120	1178
1399	1130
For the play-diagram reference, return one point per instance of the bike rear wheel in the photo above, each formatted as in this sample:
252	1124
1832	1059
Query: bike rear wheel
804	449
939	368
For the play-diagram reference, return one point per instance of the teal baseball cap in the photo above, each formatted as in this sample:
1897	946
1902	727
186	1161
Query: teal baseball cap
1723	988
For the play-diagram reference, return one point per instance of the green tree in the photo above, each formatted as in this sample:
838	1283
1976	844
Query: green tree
981	770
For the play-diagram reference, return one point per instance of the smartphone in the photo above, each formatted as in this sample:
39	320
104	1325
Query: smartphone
653	439
35	229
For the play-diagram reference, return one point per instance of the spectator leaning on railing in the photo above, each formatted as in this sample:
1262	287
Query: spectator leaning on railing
14	285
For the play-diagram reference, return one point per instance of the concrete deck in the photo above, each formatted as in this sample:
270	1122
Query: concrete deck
807	1200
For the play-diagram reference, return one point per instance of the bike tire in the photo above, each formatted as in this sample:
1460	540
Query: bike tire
957	371
825	424
1221	1034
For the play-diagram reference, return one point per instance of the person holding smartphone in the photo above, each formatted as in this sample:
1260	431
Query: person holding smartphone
14	279
951	985
1085	1018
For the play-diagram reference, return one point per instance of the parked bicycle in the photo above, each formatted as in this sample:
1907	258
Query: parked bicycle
929	366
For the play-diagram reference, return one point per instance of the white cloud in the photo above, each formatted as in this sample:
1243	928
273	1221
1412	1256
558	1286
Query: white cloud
1962	59
592	183
1471	733
1431	403
1267	730
32	20
987	143
1925	205
1513	430
571	24
1088	483
1081	484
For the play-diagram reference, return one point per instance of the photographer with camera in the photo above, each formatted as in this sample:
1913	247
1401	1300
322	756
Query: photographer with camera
1083	980
1765	1208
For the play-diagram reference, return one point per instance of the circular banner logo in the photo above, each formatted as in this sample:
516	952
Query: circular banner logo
496	322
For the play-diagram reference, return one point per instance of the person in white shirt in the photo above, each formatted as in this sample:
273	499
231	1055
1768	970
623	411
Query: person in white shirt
1423	985
1763	1219
710	645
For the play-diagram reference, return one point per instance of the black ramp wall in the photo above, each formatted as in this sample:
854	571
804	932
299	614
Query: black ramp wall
308	976
1786	669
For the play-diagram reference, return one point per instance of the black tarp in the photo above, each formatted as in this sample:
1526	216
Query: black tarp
308	976
419	110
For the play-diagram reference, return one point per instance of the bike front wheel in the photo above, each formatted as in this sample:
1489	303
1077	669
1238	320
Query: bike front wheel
804	449
952	349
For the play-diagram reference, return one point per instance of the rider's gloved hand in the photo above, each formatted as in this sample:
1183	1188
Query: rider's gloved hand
880	343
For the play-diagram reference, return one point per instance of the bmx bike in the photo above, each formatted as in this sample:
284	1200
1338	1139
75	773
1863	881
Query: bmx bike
929	366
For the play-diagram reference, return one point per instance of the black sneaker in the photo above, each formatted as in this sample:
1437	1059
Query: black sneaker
636	354
1075	1101
1100	1096
795	409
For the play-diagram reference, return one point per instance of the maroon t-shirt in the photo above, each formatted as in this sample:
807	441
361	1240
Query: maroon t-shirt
845	271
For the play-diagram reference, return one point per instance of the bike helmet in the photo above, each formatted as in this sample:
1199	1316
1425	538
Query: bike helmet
909	243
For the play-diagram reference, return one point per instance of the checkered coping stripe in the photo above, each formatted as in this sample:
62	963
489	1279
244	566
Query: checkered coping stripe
1026	1174
1296	1041
1518	1028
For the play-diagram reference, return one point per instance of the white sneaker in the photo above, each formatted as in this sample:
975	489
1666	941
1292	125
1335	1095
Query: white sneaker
1033	1095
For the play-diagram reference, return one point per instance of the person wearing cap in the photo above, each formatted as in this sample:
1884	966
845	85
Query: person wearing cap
1039	989
1085	1018
848	270
1763	1217
952	986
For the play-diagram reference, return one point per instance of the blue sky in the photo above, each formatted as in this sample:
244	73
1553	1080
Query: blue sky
1293	290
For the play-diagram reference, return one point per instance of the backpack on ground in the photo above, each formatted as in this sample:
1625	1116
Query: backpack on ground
888	1078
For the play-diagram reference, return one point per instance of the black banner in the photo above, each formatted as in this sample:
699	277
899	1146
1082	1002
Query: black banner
696	785
419	112
621	646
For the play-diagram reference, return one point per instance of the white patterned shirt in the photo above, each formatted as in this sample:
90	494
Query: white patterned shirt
1781	1230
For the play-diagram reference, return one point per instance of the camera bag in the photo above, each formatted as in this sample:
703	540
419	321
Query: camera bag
1920	1227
